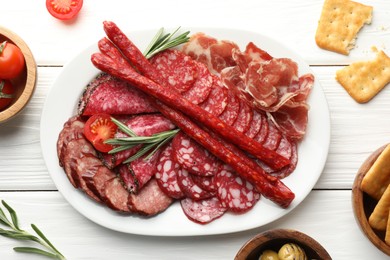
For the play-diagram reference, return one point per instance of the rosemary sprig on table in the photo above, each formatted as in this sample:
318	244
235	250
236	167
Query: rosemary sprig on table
16	232
162	42
150	144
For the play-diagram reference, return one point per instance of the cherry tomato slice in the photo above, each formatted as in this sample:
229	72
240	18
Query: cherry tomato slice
64	9
11	60
7	91
98	129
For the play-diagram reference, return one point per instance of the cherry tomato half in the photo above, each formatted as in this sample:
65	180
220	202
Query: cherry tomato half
11	60
64	9
7	91
98	129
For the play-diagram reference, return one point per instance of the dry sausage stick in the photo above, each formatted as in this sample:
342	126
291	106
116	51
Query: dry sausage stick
271	187
173	99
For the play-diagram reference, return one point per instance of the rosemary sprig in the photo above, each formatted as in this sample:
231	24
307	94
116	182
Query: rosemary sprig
16	232
163	41
149	143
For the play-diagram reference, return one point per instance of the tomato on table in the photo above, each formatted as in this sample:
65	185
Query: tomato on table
11	60
64	9
98	129
7	91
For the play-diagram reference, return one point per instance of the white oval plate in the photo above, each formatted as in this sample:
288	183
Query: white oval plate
61	104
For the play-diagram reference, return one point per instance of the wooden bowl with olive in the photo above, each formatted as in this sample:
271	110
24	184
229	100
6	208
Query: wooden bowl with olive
282	244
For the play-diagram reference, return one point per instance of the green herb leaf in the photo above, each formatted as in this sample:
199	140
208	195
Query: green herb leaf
162	42
16	233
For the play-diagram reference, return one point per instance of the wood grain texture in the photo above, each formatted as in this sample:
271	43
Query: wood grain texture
326	215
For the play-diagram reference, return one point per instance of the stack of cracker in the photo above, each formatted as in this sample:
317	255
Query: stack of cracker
376	183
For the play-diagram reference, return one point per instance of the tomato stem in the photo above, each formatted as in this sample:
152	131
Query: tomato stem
2	46
4	95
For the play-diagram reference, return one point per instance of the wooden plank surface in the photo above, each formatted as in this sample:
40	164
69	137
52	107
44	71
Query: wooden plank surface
326	215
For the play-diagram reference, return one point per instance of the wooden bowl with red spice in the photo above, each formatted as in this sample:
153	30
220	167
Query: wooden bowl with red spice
24	83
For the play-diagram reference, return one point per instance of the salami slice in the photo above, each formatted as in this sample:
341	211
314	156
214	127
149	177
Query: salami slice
189	188
230	114
166	174
236	194
263	133
244	119
193	157
73	129
287	170
116	196
202	211
273	138
137	173
255	125
205	183
150	201
202	86
216	102
87	166
99	180
176	68
115	97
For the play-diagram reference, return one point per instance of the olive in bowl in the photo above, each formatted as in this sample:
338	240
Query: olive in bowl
282	244
18	80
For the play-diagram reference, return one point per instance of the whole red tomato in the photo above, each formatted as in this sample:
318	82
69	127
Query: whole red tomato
11	61
6	93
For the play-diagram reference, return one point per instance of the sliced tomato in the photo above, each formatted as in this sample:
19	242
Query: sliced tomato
7	91
98	129
64	9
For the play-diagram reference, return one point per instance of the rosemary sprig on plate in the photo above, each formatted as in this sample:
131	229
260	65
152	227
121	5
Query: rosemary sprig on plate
16	232
163	41
150	144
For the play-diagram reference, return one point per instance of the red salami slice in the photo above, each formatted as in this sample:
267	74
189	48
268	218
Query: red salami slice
255	125
115	97
230	114
193	157
90	88
202	86
205	183
176	69
202	211
217	100
285	148
73	129
189	188
244	118
87	166
273	138
74	150
99	180
116	196
235	193
142	125
150	201
263	133
166	174
137	173
287	170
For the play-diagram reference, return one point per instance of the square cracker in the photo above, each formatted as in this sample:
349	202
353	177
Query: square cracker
377	179
364	79
379	217
339	24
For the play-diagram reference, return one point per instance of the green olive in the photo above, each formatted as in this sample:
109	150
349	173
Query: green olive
291	251
269	255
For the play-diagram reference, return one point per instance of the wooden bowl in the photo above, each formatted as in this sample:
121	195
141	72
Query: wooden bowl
25	82
363	205
275	239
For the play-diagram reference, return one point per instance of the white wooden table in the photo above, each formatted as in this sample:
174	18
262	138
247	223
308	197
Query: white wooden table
326	214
